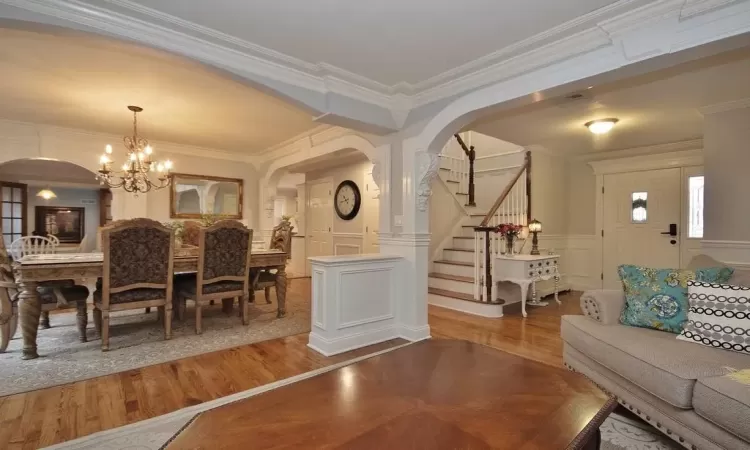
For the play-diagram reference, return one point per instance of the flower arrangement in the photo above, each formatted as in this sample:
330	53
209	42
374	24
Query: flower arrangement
177	226
509	230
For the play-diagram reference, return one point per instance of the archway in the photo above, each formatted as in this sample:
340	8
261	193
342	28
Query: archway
43	196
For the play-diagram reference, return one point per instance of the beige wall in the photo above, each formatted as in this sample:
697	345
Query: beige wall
25	140
548	192
580	195
726	143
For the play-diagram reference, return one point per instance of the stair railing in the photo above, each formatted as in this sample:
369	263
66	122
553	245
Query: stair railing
472	156
458	170
512	206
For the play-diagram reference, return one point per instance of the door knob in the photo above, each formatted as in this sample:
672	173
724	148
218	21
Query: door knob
672	230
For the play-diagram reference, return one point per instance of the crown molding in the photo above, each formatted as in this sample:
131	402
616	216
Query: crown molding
682	158
725	106
604	27
692	144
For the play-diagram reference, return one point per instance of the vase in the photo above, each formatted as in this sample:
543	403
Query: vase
509	250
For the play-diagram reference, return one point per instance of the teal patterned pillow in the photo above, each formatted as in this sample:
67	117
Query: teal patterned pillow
657	298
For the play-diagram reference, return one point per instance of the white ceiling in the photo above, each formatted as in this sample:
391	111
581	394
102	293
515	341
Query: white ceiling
661	107
388	41
86	81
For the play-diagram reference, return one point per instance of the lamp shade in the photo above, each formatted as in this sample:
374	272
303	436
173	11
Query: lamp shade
535	226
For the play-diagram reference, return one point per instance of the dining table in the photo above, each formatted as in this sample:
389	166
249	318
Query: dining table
33	270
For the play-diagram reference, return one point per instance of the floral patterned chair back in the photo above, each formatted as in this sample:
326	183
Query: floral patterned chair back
281	238
191	233
224	253
137	254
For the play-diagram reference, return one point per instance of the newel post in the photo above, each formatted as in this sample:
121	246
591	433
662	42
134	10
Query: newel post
472	156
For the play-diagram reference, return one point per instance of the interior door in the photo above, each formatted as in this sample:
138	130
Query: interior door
641	221
371	210
320	219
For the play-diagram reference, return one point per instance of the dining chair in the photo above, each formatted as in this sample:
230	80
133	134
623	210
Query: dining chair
281	239
51	295
224	251
137	272
35	245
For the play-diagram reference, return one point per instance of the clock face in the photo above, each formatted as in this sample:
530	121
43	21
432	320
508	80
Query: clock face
347	200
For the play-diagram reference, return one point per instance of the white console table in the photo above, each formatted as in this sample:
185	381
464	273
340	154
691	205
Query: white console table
525	271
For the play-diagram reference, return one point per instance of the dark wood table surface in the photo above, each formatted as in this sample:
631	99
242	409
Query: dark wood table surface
436	394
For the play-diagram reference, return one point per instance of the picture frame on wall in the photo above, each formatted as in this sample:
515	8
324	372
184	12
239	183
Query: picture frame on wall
64	222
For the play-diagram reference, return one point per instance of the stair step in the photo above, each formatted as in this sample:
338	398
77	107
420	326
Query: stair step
462	193
444	168
451	294
445	276
451	181
455	263
460	250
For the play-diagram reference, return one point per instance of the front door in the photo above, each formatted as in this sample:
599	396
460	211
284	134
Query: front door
320	218
638	210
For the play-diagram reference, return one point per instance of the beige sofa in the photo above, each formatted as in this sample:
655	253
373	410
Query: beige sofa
681	388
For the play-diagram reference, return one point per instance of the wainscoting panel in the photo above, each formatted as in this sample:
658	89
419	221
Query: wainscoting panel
365	286
347	243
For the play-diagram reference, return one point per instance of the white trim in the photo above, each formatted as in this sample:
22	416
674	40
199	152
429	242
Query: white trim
692	144
464	306
683	158
348	235
95	440
355	246
608	26
331	347
733	253
725	106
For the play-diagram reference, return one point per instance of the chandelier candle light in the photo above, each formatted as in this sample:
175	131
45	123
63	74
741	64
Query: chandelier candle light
134	176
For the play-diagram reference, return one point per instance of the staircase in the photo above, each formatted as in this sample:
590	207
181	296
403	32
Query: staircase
460	275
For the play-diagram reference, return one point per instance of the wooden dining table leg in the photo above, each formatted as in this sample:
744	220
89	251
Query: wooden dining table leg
281	290
29	311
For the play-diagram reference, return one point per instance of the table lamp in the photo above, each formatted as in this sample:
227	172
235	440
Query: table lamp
535	227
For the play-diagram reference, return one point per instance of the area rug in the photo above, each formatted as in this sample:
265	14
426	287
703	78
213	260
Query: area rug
621	431
137	340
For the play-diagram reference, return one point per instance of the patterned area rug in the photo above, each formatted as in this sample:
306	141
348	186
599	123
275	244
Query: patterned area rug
137	340
622	431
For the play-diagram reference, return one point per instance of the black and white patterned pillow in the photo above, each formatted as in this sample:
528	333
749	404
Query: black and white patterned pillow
718	316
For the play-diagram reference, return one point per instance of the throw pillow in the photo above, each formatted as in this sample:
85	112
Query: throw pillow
719	316
657	298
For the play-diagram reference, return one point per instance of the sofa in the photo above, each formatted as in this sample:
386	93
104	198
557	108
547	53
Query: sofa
696	395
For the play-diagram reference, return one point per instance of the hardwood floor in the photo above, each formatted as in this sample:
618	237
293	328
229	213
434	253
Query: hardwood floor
48	416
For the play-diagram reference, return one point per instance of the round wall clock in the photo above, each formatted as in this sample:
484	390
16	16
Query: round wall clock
347	200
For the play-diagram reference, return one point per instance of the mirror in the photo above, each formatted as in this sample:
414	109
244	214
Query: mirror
192	196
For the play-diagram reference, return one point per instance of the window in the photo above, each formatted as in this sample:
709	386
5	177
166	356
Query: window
695	207
13	196
639	213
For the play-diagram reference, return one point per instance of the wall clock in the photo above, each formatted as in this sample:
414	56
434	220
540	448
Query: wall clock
347	200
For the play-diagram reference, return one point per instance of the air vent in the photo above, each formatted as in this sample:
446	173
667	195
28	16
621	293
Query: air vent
574	100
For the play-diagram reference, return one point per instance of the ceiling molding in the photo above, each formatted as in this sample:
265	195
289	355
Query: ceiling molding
598	29
682	158
692	144
725	106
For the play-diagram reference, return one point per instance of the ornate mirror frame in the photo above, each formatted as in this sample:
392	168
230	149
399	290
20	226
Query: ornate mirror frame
173	195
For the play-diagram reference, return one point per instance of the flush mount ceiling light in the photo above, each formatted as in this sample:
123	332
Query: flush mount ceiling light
601	126
46	194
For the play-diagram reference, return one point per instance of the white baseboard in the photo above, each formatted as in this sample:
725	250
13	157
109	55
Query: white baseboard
474	308
330	347
414	334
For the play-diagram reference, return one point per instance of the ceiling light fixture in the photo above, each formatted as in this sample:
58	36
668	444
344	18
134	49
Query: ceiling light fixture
134	176
46	194
601	126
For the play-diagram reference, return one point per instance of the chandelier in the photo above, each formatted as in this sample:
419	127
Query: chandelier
135	174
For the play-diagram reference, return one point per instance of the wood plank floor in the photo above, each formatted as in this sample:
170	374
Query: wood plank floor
48	416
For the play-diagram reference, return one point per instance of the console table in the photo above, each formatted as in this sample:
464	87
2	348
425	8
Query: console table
525	271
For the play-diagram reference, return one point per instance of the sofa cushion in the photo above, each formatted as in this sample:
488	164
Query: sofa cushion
725	401
657	298
719	316
655	361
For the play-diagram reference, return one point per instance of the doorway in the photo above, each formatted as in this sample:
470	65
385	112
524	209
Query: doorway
651	218
320	218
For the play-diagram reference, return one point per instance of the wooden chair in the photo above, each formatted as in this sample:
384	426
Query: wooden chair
55	240
281	239
137	272
35	245
223	270
49	295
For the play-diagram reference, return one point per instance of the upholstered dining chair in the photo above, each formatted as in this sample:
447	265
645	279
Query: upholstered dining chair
137	272
223	270
50	294
281	239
